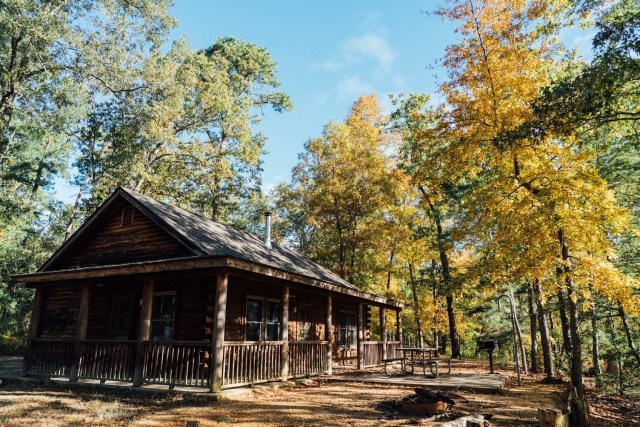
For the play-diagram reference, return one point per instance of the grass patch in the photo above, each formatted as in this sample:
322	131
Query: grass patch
4	419
57	405
115	411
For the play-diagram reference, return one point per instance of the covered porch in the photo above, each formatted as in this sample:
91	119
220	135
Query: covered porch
213	327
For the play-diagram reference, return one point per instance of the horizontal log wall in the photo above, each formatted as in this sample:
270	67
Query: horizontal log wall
192	322
60	312
109	242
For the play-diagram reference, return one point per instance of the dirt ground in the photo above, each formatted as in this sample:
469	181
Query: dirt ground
319	404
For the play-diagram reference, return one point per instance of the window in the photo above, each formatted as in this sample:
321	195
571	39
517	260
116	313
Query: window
305	323
262	320
162	316
121	317
348	328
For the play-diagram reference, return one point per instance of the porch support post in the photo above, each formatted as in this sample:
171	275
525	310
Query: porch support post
360	348
328	335
34	325
383	332
399	327
217	362
143	330
81	333
284	334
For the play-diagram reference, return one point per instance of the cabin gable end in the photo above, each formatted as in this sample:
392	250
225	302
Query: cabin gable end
120	234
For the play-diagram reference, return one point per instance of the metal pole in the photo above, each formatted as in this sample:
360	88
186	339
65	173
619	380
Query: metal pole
513	329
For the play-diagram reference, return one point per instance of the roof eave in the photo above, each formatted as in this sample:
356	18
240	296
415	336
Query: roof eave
194	263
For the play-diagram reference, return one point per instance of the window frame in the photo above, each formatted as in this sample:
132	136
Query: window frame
264	323
131	314
345	332
173	318
305	326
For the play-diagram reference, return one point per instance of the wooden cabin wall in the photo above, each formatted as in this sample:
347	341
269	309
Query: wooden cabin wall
101	301
125	236
191	323
317	304
238	291
60	312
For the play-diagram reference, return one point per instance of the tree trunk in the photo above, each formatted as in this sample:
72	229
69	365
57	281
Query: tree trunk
595	347
435	303
552	331
453	328
545	340
627	331
76	205
393	252
574	321
564	321
37	182
446	275
533	329
523	355
614	367
416	304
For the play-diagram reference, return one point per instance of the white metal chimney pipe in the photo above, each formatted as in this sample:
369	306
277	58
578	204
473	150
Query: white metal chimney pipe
267	229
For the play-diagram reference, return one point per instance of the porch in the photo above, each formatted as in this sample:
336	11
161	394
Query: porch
85	331
186	364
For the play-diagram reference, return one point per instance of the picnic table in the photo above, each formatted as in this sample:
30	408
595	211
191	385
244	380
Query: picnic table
417	356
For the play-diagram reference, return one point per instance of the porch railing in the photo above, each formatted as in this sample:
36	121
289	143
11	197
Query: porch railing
107	360
177	362
51	357
308	358
250	362
373	351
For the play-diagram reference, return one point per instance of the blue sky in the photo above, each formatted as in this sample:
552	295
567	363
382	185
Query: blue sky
329	53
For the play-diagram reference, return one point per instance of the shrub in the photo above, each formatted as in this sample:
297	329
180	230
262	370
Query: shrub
11	346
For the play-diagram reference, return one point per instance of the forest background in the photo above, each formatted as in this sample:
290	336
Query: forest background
520	175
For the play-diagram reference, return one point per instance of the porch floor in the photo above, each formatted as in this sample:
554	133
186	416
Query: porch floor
474	381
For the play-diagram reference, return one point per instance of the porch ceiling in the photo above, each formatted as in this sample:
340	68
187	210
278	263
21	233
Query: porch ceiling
197	263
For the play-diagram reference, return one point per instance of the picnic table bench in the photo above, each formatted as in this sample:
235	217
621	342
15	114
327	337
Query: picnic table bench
409	358
389	360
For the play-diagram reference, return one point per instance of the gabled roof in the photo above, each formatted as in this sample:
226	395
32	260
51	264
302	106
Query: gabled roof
208	238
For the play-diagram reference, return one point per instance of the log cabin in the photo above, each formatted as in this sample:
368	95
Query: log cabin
147	293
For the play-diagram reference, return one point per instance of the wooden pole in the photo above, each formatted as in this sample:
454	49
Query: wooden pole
383	332
81	333
215	382
399	327
34	325
328	335
360	349
284	334
144	330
